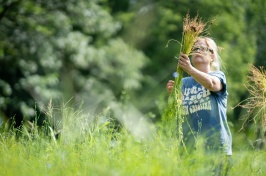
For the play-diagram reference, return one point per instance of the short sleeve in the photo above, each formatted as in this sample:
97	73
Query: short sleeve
221	76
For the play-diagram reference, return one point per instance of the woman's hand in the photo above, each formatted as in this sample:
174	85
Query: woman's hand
185	63
169	86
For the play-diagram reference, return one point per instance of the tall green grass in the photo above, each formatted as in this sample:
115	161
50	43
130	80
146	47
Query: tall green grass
97	147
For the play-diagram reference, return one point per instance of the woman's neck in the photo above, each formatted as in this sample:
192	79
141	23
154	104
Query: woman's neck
203	67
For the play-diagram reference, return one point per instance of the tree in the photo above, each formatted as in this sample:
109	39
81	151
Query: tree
61	50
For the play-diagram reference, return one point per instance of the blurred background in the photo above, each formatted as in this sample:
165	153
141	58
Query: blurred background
96	54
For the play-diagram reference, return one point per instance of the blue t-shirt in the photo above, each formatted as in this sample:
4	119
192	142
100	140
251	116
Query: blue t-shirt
205	115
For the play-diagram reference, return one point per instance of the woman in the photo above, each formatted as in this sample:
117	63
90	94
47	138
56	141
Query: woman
204	98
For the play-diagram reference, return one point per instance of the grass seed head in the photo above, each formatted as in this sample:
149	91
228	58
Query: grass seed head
192	28
255	104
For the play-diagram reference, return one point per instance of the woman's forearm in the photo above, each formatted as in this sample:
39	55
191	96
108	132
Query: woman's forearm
210	82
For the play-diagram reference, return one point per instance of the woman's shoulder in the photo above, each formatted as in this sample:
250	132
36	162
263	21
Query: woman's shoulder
218	73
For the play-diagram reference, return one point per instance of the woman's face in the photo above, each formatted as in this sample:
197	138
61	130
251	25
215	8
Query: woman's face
201	53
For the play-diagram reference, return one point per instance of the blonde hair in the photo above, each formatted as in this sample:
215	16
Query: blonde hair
216	64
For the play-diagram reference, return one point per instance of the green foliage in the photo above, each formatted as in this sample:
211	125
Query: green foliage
61	50
257	24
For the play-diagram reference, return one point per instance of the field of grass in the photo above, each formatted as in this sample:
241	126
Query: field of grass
98	148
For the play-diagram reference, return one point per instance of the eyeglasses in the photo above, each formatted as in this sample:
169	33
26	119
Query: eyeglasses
201	49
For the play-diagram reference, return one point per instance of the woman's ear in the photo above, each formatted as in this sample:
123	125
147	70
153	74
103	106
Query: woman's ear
212	57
